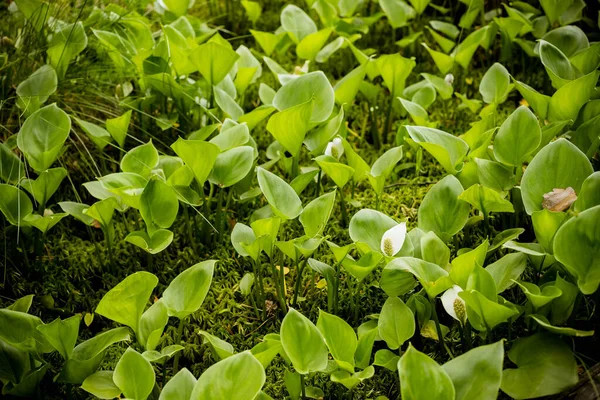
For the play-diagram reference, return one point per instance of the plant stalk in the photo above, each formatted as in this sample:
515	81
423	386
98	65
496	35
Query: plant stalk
343	207
178	341
438	328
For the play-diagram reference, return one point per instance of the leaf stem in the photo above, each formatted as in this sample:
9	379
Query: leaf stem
302	387
343	207
438	328
300	269
178	341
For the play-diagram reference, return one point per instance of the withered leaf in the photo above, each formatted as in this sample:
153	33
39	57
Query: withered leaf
559	199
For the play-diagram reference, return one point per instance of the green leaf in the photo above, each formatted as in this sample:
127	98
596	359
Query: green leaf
368	226
447	149
544	323
268	41
240	377
188	151
126	302
14	204
253	10
118	127
557	64
281	197
35	90
340	338
177	7
545	366
101	385
160	357
432	277
486	200
364	266
495	84
577	246
434	250
289	126
494	175
140	160
214	61
394	70
134	375
351	380
589	196
398	12
545	225
309	47
227	103
12	170
232	166
303	343
539	297
65	45
559	165
232	136
566	102
98	135
422	378
44	223
517	138
62	334
346	88
158	205
441	211
442	61
507	269
42	136
478	372
536	100
315	215
152	324
297	23
179	387
396	323
339	173
446	44
483	313
88	355
387	359
312	86
220	348
446	28
185	294
19	329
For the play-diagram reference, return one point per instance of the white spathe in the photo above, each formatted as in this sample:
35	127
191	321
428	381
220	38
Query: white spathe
454	305
335	148
393	240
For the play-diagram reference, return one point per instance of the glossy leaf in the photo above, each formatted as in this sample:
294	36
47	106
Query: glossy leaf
283	199
185	294
126	302
396	323
422	378
42	136
559	165
303	343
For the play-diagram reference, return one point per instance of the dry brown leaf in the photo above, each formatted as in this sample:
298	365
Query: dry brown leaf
559	199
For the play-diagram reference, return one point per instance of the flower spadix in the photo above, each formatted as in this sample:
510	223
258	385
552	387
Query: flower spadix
454	305
335	148
393	240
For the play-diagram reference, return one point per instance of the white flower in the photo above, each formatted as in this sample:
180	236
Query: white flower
449	79
454	305
335	148
393	240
